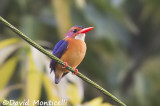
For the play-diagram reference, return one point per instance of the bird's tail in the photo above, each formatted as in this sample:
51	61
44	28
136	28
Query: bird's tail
57	80
59	75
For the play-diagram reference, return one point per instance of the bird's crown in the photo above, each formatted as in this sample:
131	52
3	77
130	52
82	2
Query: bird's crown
76	30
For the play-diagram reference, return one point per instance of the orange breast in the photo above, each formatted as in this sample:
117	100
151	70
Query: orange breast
75	52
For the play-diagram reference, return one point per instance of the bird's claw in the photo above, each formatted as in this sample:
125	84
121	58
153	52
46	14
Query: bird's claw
75	72
66	64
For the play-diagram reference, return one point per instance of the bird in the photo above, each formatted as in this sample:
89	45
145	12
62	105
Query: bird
71	50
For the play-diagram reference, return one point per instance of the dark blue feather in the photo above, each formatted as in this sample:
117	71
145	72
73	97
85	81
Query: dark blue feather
58	51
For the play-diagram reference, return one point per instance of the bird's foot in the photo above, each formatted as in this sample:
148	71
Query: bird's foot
75	72
66	64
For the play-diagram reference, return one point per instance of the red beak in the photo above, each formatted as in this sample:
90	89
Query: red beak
85	30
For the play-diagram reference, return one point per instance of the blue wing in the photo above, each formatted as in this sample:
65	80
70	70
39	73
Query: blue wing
58	51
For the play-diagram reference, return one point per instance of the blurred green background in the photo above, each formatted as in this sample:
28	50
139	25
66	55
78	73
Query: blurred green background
122	51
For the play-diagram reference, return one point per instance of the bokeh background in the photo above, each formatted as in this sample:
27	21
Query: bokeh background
122	51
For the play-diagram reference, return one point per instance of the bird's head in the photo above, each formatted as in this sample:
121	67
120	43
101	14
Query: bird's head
78	32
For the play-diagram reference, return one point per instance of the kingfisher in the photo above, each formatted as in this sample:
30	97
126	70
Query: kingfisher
71	50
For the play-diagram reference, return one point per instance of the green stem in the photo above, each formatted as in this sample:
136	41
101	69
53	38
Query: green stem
41	49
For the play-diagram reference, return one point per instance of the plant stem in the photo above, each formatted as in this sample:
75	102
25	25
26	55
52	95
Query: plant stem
41	49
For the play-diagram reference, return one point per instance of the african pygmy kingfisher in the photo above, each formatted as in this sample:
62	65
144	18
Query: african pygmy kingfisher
71	50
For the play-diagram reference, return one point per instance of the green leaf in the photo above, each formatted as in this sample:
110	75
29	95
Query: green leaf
6	71
8	42
7	51
33	81
74	94
97	102
49	89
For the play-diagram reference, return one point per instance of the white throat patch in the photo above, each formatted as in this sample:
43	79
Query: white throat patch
81	36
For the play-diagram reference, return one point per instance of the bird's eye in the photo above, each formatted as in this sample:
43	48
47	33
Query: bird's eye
75	30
